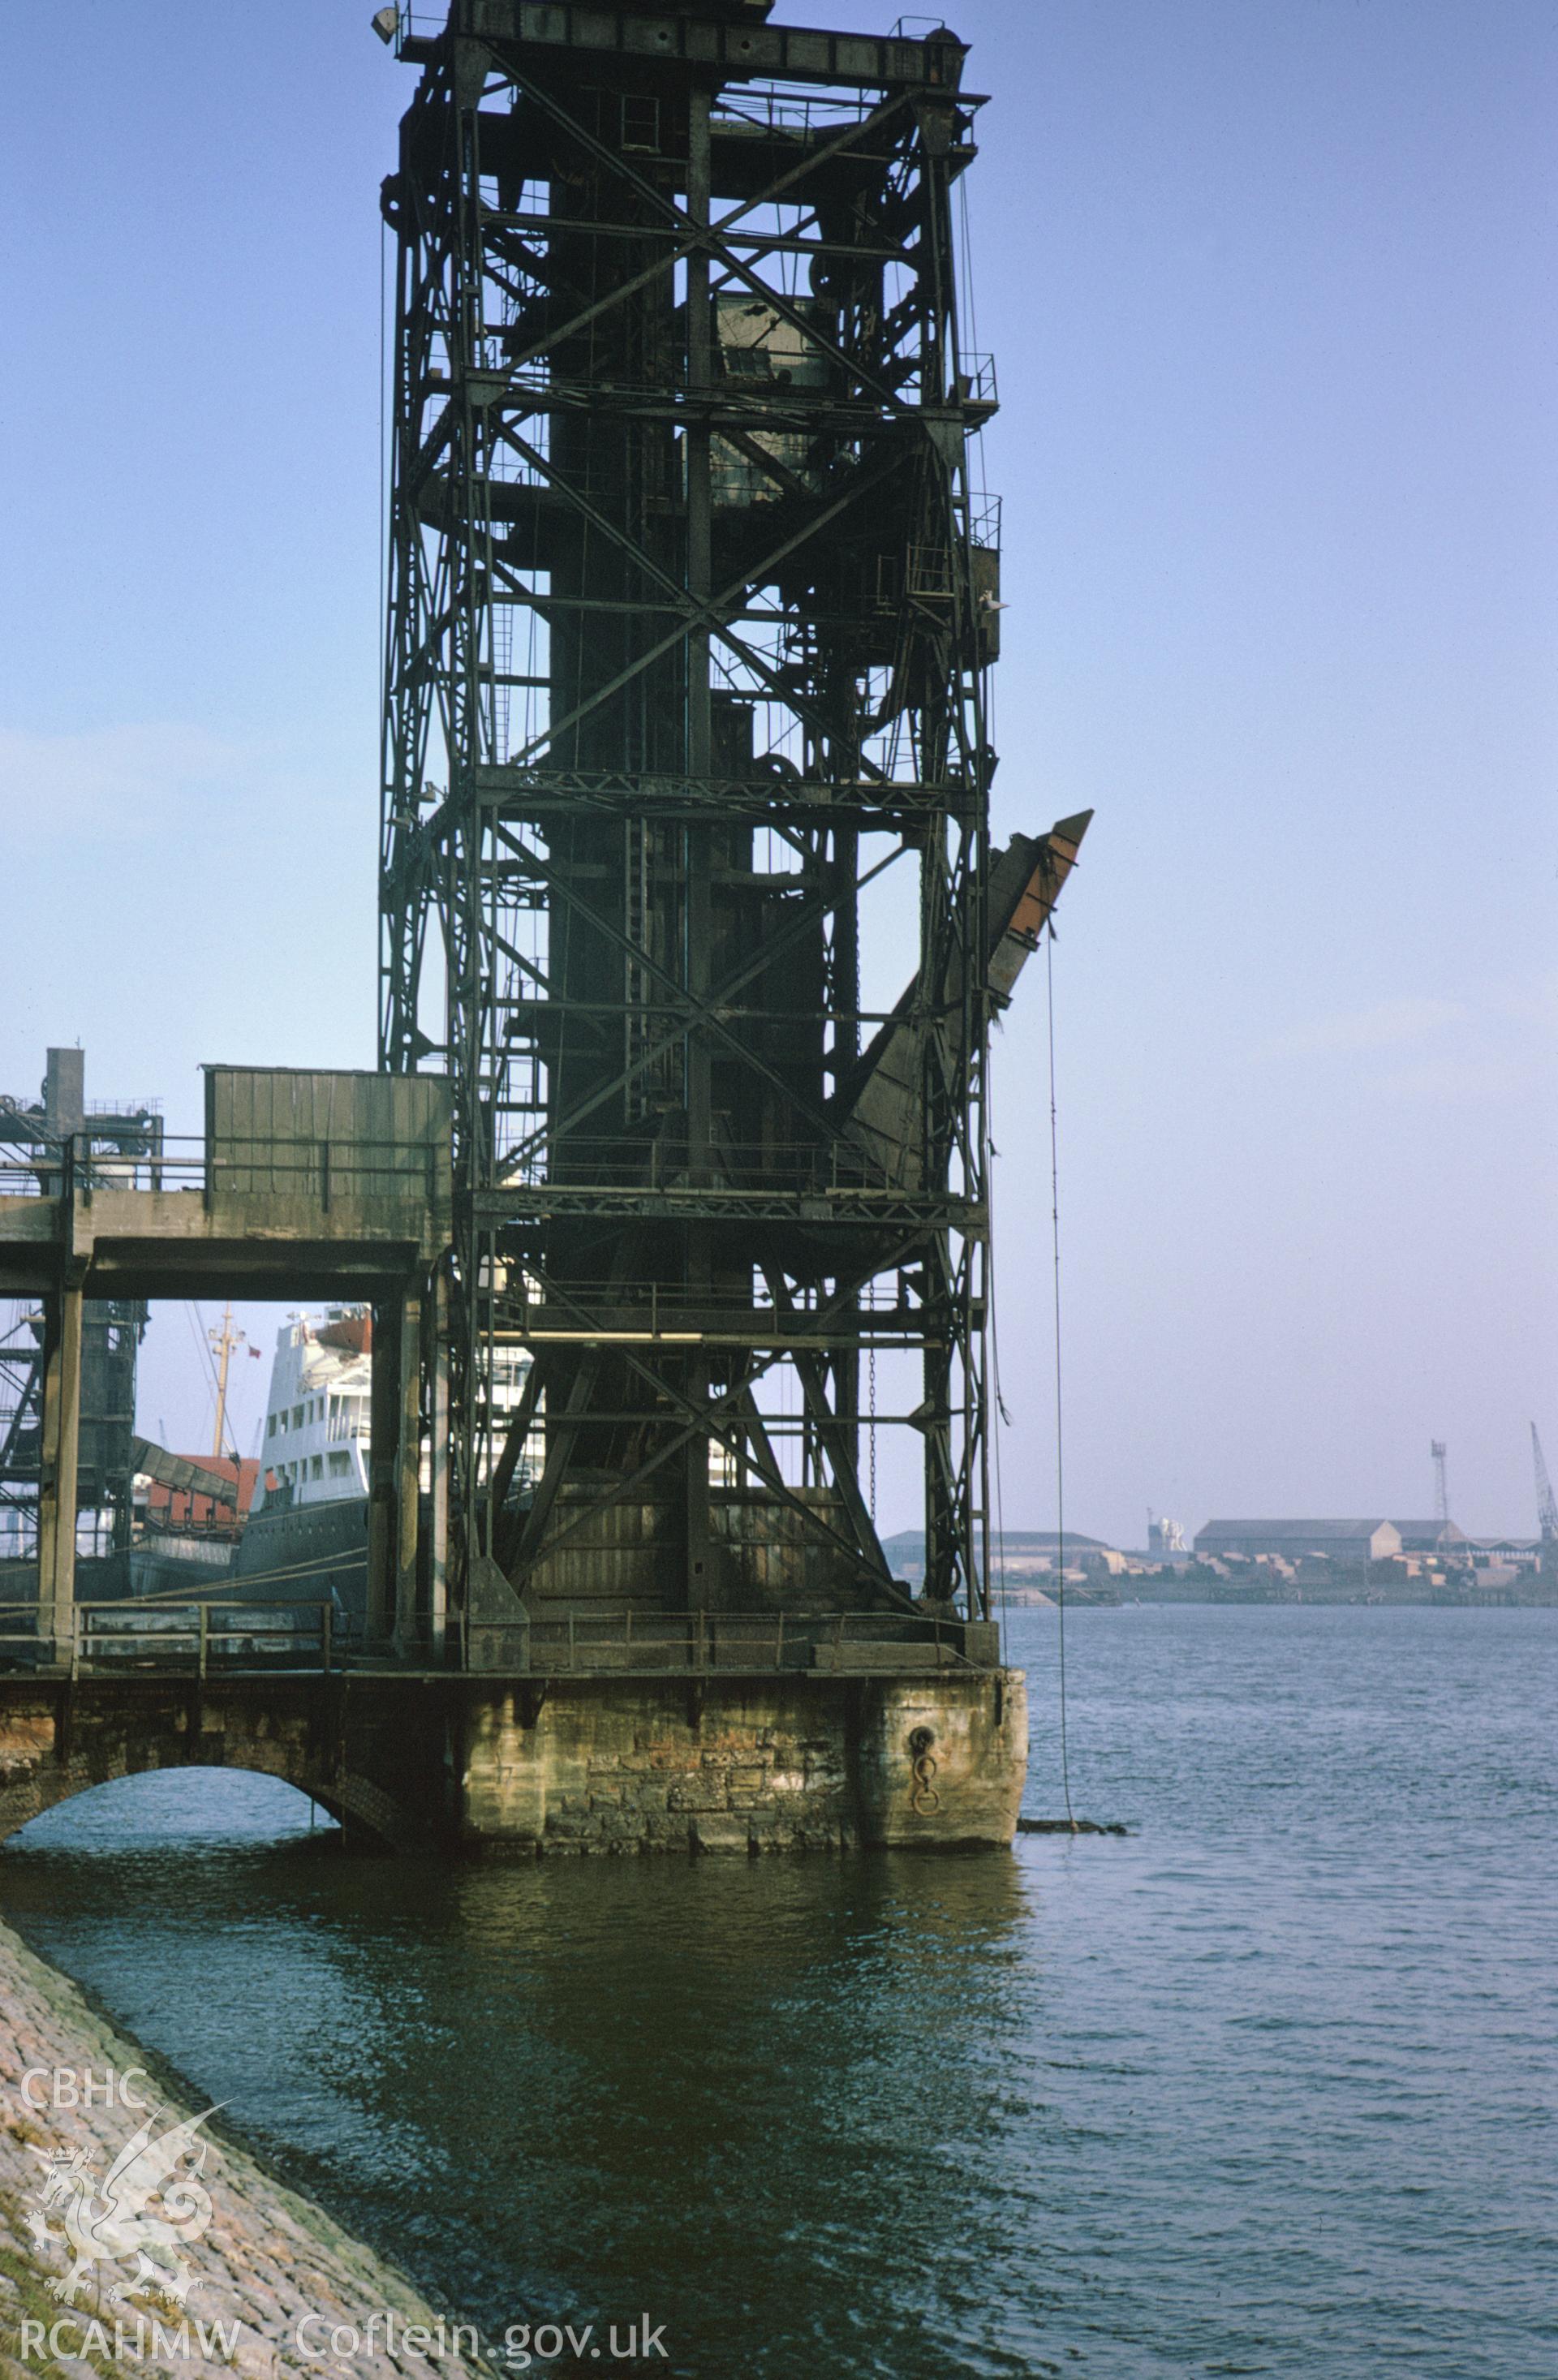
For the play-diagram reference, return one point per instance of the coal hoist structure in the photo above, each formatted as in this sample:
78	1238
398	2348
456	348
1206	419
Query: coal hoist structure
686	878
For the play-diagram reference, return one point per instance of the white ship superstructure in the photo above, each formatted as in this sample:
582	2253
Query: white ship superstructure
315	1444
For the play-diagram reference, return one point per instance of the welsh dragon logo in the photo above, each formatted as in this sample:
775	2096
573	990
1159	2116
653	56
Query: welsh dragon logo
110	2225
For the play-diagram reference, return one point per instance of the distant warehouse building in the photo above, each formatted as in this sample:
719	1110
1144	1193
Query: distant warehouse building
1429	1536
1504	1553
1338	1541
1023	1552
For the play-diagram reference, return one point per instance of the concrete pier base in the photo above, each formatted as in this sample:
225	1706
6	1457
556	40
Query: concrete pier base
539	1764
746	1764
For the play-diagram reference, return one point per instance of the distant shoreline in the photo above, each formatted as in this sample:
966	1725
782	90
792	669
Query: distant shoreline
1538	1594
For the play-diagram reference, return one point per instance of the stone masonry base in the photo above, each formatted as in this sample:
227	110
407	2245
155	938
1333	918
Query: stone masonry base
746	1764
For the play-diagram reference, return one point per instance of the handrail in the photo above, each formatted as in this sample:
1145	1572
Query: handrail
576	1160
324	1164
705	1642
190	1638
329	1168
96	1642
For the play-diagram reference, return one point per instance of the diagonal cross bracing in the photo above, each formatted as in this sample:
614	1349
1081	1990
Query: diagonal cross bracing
682	557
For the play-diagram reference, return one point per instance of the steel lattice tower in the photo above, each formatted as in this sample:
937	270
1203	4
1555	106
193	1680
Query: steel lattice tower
691	605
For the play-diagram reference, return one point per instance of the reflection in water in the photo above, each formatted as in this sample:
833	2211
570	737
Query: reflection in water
1256	2089
753	2100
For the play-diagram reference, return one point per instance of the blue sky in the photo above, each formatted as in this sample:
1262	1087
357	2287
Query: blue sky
1269	290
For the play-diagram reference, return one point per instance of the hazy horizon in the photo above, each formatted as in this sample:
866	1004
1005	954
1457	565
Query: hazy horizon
1276	457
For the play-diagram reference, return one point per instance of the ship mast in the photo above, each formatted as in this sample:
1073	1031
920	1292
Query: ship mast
223	1341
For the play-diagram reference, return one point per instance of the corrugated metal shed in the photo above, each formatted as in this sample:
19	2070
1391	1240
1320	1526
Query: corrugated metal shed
285	1133
1341	1541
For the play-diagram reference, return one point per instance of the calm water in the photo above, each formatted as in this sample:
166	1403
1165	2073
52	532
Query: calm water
1267	2087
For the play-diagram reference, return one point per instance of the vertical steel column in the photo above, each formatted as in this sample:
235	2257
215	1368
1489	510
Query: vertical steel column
384	1439
436	1342
702	1584
407	1471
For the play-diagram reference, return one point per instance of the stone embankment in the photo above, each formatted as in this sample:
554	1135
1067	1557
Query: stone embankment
277	2288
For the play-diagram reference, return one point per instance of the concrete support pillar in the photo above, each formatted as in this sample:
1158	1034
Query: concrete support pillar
61	1456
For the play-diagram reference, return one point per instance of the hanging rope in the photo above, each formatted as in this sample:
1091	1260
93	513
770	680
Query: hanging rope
1002	1419
383	478
1060	1431
870	1366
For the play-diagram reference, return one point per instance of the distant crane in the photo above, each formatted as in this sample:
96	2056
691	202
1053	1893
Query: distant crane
1547	1504
1439	1451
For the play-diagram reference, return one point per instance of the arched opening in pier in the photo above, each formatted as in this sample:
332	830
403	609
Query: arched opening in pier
185	1812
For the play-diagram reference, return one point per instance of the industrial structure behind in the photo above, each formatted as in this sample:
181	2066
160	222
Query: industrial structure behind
670	1198
693	596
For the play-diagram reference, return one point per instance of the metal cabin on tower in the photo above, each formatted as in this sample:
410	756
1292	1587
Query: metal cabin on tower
693	594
